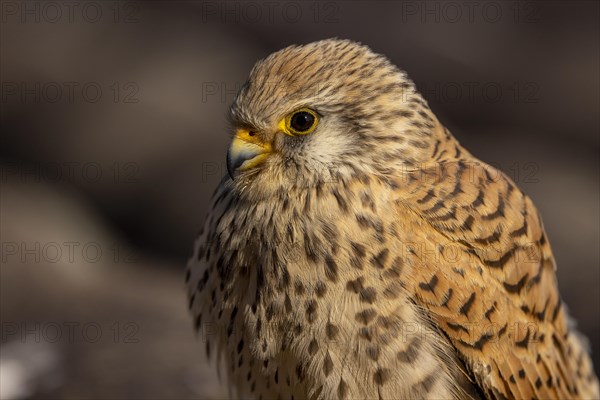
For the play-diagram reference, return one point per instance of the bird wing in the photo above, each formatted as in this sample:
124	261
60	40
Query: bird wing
488	281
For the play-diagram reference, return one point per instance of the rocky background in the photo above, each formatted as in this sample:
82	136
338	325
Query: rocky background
114	137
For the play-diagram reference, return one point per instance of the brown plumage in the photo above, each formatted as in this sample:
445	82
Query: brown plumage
358	251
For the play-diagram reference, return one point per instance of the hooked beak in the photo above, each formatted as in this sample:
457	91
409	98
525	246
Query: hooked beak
246	152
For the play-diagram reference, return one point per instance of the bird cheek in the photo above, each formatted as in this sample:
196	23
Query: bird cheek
280	142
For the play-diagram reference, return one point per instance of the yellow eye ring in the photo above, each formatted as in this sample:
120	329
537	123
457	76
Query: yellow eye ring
300	122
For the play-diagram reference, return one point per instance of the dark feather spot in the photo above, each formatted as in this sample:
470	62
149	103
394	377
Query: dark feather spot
368	295
381	376
427	197
525	342
478	345
340	200
332	331
410	354
331	270
499	263
516	288
393	290
464	310
373	352
479	200
429	286
366	316
358	249
380	259
457	327
428	382
299	288
311	310
320	289
356	285
436	207
447	297
342	390
327	365
499	210
522	230
490	311
494	237
467	224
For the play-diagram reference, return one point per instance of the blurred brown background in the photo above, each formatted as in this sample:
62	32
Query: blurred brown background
113	138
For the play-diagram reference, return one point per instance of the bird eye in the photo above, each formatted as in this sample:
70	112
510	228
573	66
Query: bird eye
301	122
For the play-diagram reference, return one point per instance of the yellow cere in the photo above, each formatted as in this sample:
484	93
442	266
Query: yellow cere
249	148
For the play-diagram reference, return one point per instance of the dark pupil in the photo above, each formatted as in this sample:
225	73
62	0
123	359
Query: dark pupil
302	121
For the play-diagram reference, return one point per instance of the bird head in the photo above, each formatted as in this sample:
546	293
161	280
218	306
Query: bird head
324	112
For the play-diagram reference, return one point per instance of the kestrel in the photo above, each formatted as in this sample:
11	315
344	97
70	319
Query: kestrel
358	251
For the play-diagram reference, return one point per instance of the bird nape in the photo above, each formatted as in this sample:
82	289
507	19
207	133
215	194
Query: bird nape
358	251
